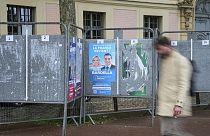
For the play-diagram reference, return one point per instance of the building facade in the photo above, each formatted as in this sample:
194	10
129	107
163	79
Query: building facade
161	14
29	11
166	15
202	18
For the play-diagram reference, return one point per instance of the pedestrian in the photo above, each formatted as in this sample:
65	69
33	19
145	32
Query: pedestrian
173	101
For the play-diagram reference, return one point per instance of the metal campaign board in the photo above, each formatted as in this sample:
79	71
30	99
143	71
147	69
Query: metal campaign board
132	73
199	51
32	68
12	68
46	68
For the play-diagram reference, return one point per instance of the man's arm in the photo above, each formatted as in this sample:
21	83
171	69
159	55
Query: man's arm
183	82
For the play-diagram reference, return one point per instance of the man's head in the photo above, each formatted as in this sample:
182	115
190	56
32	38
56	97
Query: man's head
162	45
107	59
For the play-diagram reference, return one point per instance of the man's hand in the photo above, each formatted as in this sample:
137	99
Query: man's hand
177	111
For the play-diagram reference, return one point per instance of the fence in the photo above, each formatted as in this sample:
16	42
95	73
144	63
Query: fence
196	48
55	70
45	61
35	73
129	85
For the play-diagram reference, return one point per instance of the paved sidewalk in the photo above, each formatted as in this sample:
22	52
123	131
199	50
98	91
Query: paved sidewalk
198	125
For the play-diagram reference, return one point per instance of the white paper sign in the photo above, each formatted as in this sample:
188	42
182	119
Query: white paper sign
74	40
9	38
173	43
134	41
205	42
100	41
45	38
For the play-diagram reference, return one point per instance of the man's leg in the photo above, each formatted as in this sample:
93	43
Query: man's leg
172	127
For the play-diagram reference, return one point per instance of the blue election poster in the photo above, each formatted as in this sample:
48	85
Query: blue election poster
102	69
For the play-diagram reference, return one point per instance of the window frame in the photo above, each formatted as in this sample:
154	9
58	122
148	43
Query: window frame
15	13
152	22
93	20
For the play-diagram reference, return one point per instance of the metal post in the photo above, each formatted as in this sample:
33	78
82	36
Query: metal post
66	84
118	67
26	65
191	49
154	76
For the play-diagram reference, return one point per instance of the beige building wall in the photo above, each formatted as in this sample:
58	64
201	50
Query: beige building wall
126	18
45	11
117	14
131	14
95	7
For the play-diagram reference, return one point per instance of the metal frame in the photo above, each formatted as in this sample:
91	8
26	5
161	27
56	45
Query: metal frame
65	65
65	48
153	71
66	72
64	132
188	32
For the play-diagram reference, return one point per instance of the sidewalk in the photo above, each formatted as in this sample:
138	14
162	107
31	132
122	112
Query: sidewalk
198	125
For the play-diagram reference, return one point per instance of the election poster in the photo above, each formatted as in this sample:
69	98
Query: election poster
75	69
102	67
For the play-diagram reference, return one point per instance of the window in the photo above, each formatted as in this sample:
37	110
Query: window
151	22
19	14
93	20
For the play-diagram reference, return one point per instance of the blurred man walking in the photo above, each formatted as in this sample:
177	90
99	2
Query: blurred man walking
173	90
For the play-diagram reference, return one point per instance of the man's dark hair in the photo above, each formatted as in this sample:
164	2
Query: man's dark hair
108	54
164	41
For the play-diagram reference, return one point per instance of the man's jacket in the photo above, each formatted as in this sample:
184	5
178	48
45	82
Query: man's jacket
173	89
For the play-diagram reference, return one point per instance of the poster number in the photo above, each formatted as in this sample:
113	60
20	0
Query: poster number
205	42
9	38
45	38
173	43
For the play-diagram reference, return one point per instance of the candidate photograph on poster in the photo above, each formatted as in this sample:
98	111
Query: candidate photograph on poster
102	62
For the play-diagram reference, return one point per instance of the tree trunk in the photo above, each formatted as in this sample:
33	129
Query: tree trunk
67	15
